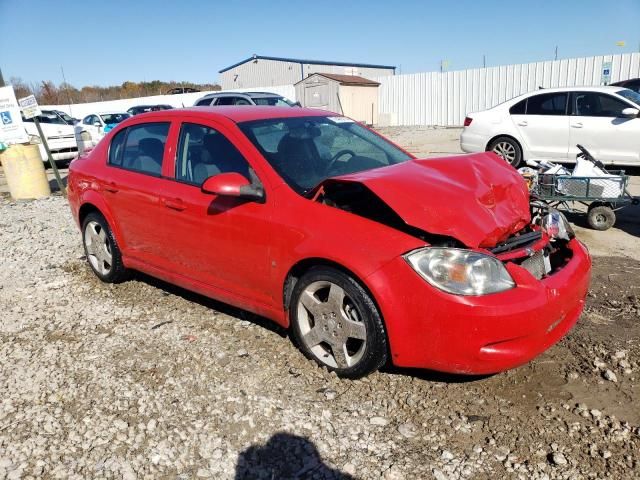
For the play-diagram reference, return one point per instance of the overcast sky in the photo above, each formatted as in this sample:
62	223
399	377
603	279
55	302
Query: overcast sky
107	42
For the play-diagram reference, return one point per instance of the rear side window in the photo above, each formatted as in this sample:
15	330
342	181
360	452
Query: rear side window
117	147
519	108
547	104
140	148
204	103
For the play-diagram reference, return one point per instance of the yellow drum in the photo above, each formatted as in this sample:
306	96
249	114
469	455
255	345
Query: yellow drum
25	173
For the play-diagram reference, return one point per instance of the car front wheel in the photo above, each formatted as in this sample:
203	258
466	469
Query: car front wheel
336	323
101	249
508	149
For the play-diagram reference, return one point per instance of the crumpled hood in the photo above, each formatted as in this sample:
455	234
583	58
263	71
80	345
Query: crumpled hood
477	199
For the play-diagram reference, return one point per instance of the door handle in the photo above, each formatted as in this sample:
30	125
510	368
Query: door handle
111	187
577	125
523	123
174	204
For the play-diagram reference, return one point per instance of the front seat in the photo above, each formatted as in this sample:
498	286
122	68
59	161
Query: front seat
298	155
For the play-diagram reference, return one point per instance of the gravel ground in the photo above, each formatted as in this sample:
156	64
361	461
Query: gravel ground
144	380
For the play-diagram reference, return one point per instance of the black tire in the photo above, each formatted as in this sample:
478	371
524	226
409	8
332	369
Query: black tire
372	353
116	272
601	217
503	146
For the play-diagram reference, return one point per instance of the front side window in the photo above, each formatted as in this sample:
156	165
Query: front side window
204	152
204	103
140	148
307	150
547	104
594	104
90	120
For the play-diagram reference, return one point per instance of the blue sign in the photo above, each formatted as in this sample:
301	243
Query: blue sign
6	118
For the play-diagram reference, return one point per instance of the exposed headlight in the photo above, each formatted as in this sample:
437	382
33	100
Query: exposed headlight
461	272
557	226
34	139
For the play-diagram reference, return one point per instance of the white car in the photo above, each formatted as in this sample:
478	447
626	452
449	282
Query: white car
94	126
548	124
61	137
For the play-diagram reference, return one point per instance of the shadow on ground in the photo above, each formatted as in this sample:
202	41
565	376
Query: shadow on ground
285	457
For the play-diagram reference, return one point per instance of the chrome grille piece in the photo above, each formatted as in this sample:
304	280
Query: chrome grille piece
535	264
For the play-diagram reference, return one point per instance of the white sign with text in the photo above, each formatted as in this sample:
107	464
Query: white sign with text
11	127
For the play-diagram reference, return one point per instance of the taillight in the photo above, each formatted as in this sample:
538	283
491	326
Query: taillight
467	121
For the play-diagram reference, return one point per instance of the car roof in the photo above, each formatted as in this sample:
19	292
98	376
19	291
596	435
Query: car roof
236	94
238	114
604	88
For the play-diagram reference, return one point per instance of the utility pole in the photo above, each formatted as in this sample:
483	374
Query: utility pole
556	52
1	79
484	61
66	87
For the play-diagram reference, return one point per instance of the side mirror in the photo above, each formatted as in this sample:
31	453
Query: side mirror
630	112
232	184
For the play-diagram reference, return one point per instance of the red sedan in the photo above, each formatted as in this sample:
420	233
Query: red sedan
364	252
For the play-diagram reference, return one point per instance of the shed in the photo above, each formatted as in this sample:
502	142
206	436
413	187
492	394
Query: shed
349	95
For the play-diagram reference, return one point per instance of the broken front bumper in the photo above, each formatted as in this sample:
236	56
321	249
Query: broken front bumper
432	329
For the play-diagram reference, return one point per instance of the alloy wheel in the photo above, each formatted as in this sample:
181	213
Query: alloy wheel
505	150
98	248
330	324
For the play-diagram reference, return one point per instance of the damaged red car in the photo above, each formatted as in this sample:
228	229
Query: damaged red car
367	254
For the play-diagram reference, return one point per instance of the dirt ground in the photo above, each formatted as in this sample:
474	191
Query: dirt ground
145	380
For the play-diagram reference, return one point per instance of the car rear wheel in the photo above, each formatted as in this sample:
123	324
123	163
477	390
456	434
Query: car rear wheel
101	249
508	149
336	323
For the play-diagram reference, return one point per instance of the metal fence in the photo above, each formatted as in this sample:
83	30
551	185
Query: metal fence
436	98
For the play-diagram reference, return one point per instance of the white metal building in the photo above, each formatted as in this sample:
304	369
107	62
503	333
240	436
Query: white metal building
261	71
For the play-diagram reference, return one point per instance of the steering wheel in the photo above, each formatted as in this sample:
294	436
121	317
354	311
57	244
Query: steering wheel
336	157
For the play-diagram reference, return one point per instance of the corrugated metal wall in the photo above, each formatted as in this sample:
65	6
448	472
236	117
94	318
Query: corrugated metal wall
436	98
261	72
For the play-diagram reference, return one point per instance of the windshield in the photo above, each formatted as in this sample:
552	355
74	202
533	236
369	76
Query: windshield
109	118
47	116
273	101
65	117
630	95
307	150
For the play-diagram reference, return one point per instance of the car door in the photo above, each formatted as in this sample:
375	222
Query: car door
216	240
93	126
598	125
544	125
133	186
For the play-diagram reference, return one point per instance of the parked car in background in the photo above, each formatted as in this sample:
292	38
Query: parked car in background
95	125
69	120
244	98
61	137
548	124
147	108
179	90
311	219
632	84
